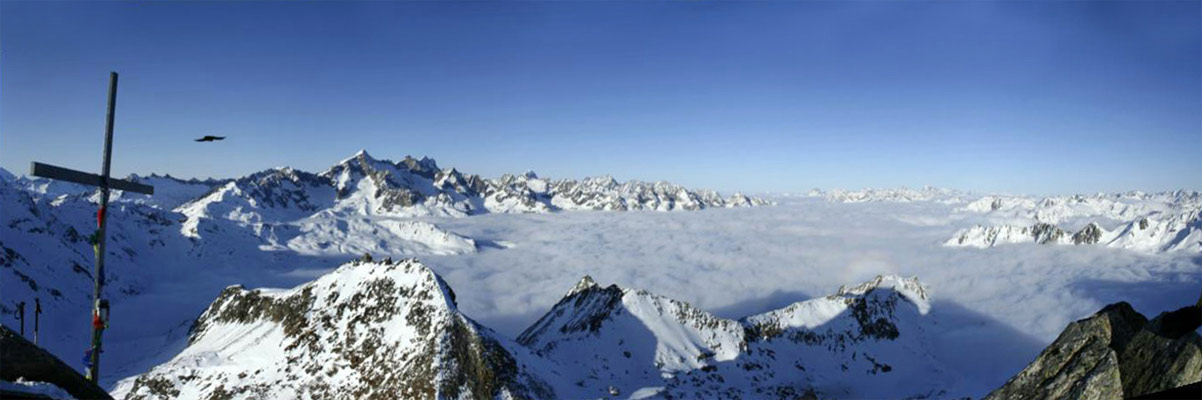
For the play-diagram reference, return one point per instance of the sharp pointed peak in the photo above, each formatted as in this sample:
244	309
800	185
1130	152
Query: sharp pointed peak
585	283
358	156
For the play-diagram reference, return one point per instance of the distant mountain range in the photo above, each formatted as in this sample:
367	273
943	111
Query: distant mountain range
1158	222
269	219
363	185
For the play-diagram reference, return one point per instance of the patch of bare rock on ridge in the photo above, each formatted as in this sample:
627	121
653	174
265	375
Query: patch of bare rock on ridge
1114	354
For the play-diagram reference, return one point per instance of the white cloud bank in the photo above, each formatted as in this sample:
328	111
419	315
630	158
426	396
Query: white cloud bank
738	261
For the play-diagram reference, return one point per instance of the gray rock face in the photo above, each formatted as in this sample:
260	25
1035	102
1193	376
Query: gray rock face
1045	233
1090	234
1113	354
1166	354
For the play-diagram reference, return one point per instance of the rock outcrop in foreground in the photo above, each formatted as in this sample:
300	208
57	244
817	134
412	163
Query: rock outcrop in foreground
1114	354
22	360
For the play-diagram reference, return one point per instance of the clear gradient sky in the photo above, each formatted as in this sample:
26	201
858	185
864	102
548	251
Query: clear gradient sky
755	96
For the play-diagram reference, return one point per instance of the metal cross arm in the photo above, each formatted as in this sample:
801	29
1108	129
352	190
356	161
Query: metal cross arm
84	178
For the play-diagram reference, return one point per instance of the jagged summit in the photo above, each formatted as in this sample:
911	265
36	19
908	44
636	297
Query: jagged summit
359	155
585	283
911	288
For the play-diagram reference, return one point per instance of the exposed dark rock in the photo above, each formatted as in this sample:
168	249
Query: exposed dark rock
1090	234
21	359
1113	354
1045	233
1166	354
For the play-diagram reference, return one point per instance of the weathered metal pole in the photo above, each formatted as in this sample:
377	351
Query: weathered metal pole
37	313
98	320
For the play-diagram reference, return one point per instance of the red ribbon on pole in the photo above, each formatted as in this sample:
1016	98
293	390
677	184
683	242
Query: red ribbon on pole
100	217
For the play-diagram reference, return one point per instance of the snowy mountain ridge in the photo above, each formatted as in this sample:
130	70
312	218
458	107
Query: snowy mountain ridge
1156	222
393	327
363	185
898	195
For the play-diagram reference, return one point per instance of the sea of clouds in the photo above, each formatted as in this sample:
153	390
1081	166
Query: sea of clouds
735	262
993	309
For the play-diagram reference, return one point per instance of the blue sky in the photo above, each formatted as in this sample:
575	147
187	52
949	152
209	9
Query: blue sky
1016	96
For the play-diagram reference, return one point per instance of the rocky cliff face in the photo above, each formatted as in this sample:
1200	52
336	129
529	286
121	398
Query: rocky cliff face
1114	354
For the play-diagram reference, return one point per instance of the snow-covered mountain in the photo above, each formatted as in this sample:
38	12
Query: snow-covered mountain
1060	209
864	341
899	195
371	328
367	330
1159	222
623	341
361	185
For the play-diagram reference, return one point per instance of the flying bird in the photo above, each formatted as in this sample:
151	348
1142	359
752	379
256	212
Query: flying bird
210	138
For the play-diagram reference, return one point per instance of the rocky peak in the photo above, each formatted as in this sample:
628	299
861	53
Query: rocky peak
369	329
1090	234
583	309
1116	353
910	288
585	283
1045	233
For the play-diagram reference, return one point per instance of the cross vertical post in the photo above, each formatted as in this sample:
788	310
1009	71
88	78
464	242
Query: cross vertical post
100	305
37	312
99	321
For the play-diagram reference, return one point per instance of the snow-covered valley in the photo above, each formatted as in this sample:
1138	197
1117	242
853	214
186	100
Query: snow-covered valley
511	247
